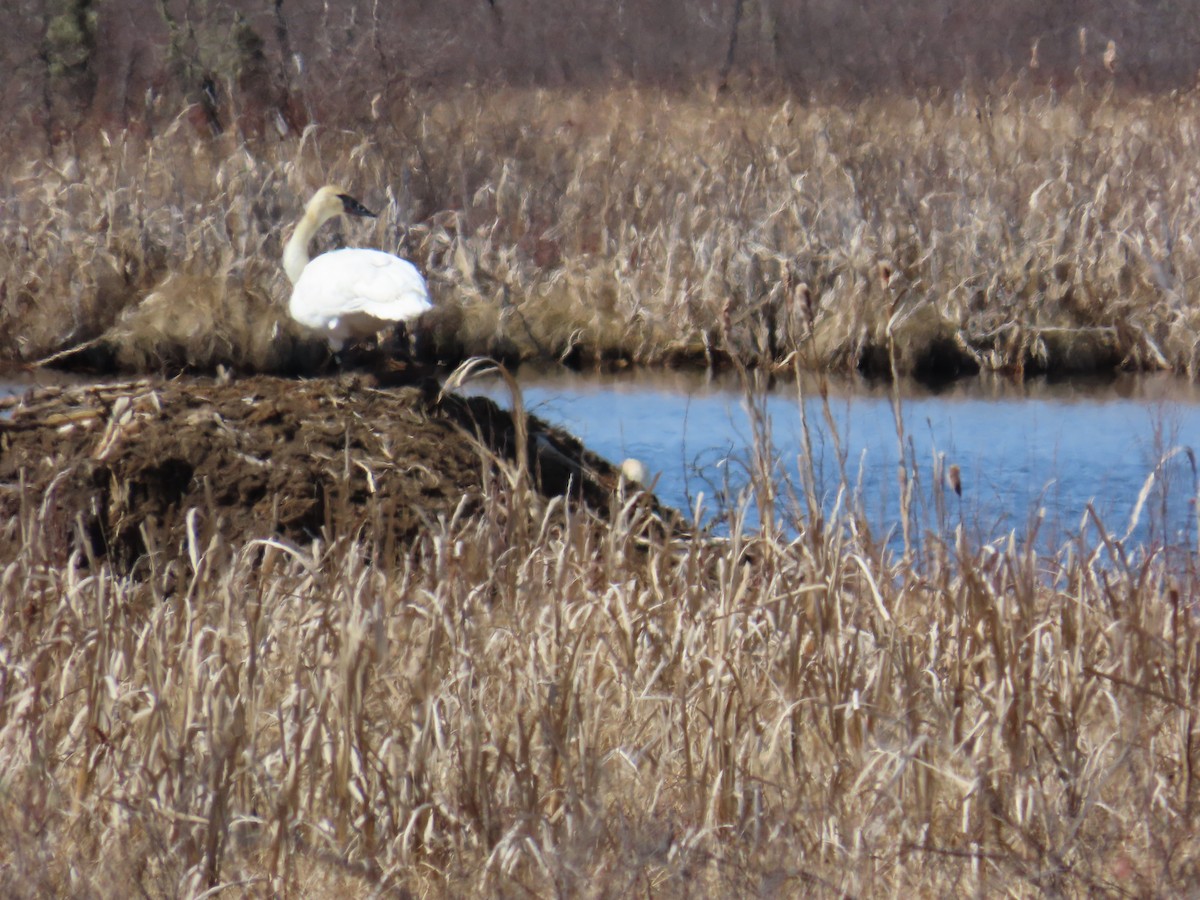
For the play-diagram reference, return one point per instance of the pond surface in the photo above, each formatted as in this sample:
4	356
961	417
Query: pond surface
1021	449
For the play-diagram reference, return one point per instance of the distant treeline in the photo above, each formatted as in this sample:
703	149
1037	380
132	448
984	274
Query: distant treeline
73	65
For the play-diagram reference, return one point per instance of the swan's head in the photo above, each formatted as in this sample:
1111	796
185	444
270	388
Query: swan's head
326	203
332	201
633	470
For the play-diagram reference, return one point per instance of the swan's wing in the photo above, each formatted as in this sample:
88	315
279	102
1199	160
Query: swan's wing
371	282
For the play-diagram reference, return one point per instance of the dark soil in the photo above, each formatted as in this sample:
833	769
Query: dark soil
123	468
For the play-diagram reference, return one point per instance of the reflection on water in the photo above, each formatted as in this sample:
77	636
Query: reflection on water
1020	448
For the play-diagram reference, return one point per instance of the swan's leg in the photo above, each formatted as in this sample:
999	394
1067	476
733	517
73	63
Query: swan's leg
399	343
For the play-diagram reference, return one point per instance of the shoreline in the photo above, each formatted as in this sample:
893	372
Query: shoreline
906	234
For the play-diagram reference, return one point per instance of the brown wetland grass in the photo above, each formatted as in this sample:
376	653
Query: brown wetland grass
533	696
538	698
1020	232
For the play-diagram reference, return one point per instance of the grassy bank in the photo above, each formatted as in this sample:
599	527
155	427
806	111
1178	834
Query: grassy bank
1019	231
535	700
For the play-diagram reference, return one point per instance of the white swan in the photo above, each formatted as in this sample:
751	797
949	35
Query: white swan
348	294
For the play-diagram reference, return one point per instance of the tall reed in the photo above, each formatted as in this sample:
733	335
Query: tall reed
534	699
1022	231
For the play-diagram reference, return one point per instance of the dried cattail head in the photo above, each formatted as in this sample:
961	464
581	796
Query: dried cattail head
1033	55
954	479
1083	41
1110	57
803	298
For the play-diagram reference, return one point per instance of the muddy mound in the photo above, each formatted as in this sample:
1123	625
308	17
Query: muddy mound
137	465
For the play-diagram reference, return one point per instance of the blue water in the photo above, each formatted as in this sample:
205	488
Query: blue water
1023	451
1026	452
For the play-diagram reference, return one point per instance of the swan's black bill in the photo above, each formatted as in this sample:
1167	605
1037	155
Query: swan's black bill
353	207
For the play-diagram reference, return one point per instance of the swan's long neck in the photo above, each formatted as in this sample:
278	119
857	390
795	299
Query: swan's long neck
295	254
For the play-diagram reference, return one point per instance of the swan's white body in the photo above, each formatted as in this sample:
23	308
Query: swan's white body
348	295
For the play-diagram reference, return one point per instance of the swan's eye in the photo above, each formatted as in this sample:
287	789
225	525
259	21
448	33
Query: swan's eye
353	207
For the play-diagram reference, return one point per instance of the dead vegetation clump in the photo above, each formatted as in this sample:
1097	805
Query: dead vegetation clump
133	472
531	696
1022	232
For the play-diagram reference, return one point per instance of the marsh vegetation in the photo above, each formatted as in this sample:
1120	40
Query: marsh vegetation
527	694
1019	233
322	637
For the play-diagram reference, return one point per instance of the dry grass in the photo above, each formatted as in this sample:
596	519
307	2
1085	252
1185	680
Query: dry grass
535	701
1020	231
